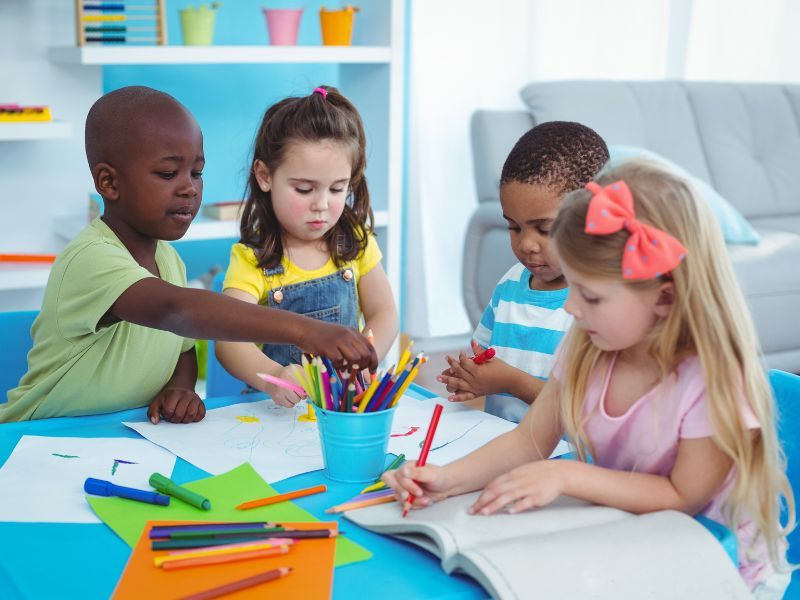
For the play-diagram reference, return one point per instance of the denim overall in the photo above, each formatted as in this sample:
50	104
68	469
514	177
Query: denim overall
331	298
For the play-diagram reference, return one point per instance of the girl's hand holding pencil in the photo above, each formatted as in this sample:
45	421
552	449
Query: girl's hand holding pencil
426	484
282	388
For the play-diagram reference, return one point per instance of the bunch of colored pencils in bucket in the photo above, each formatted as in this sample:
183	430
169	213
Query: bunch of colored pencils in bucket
345	390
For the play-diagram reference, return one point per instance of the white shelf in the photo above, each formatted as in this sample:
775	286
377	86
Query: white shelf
201	229
46	130
164	55
21	276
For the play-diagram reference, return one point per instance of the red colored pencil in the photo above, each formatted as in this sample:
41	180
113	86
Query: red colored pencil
426	447
241	584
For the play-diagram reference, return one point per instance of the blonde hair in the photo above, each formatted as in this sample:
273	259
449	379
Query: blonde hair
708	318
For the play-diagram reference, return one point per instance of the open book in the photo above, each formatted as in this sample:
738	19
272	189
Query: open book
569	549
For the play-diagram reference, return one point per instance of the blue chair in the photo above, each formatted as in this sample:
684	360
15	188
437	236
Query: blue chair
218	381
15	332
786	388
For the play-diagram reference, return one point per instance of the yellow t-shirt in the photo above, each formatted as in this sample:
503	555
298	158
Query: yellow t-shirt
76	365
245	275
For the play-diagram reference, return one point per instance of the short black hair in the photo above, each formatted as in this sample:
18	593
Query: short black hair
114	117
561	155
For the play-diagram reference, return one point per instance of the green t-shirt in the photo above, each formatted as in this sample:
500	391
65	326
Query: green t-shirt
76	365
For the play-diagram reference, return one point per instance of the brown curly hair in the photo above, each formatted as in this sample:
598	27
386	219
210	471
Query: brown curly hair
308	119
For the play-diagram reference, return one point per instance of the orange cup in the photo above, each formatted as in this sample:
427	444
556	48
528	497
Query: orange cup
337	26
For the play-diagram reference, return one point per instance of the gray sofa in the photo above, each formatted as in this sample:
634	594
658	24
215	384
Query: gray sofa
743	139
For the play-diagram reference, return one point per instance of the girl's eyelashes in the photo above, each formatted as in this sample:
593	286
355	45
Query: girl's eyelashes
303	190
590	300
197	174
167	174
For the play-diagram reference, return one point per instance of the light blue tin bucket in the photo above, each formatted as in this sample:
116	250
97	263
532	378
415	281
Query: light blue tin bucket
354	444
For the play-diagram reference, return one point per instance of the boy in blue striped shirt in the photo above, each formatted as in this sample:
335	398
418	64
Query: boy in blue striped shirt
525	319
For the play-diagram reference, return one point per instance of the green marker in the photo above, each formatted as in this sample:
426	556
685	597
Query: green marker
167	486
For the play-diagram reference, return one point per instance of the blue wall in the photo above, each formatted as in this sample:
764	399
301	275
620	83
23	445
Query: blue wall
228	101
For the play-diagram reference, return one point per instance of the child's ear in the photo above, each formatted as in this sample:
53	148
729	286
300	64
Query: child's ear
666	298
105	181
263	176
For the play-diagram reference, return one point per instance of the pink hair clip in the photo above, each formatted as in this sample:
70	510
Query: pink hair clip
649	251
322	91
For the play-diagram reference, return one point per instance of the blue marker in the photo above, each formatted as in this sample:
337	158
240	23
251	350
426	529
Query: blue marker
99	487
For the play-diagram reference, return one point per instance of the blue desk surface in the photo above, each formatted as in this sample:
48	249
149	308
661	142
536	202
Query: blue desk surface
65	560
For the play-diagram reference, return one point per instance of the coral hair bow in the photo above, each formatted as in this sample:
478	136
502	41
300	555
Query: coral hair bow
649	251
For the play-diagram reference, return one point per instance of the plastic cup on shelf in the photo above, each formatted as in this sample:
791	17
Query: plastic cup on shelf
283	24
337	26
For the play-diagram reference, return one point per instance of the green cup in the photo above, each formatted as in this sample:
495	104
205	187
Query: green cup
197	25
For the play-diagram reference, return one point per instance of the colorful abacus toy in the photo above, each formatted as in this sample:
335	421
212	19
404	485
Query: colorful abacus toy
120	22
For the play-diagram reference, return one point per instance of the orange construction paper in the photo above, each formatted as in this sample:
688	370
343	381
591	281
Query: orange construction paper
311	576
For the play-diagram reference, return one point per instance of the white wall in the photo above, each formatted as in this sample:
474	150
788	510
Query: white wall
41	179
481	59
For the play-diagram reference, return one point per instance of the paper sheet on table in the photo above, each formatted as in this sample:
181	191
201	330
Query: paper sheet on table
225	491
42	480
276	441
461	430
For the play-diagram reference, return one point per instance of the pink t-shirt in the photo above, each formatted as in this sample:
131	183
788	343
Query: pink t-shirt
645	440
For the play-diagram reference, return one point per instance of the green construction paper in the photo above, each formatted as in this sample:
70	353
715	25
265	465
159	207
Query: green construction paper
128	518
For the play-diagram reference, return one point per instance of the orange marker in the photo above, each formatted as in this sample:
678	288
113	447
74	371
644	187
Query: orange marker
282	497
28	258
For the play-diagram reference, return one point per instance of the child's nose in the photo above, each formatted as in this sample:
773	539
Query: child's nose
530	245
320	202
571	308
187	187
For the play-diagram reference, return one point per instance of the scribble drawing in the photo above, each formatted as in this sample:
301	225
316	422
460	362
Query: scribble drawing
247	419
66	455
411	431
455	439
118	462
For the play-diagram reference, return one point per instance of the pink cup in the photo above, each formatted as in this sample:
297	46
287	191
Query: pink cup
283	25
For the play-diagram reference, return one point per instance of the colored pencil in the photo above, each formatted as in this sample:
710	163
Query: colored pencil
362	405
398	460
189	535
351	392
426	448
326	388
201	561
163	531
282	383
282	497
221	540
371	337
241	584
408	382
405	356
221	550
361	504
375	398
224	548
369	495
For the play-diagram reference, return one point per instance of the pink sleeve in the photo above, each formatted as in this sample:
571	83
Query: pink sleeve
696	421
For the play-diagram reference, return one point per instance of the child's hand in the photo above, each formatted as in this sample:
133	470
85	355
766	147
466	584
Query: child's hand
465	380
532	485
176	405
428	484
340	344
281	396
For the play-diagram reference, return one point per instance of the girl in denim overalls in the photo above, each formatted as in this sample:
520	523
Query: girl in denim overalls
307	242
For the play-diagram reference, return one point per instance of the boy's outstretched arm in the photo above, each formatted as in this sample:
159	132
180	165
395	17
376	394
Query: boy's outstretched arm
152	302
177	402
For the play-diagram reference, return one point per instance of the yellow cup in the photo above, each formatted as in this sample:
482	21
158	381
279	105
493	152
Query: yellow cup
337	26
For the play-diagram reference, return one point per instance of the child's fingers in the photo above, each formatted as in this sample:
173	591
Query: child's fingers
495	497
461	397
455	367
477	348
467	363
201	411
154	411
192	408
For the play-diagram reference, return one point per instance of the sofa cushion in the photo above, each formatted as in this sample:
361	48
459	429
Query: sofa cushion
735	228
751	137
649	114
767	274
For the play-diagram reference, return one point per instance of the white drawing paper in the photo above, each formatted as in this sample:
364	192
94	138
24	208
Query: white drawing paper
278	442
461	430
42	480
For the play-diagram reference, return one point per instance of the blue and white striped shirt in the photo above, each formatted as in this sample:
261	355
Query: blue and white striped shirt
525	327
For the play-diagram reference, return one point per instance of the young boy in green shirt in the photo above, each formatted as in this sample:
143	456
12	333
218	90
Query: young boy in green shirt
116	323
